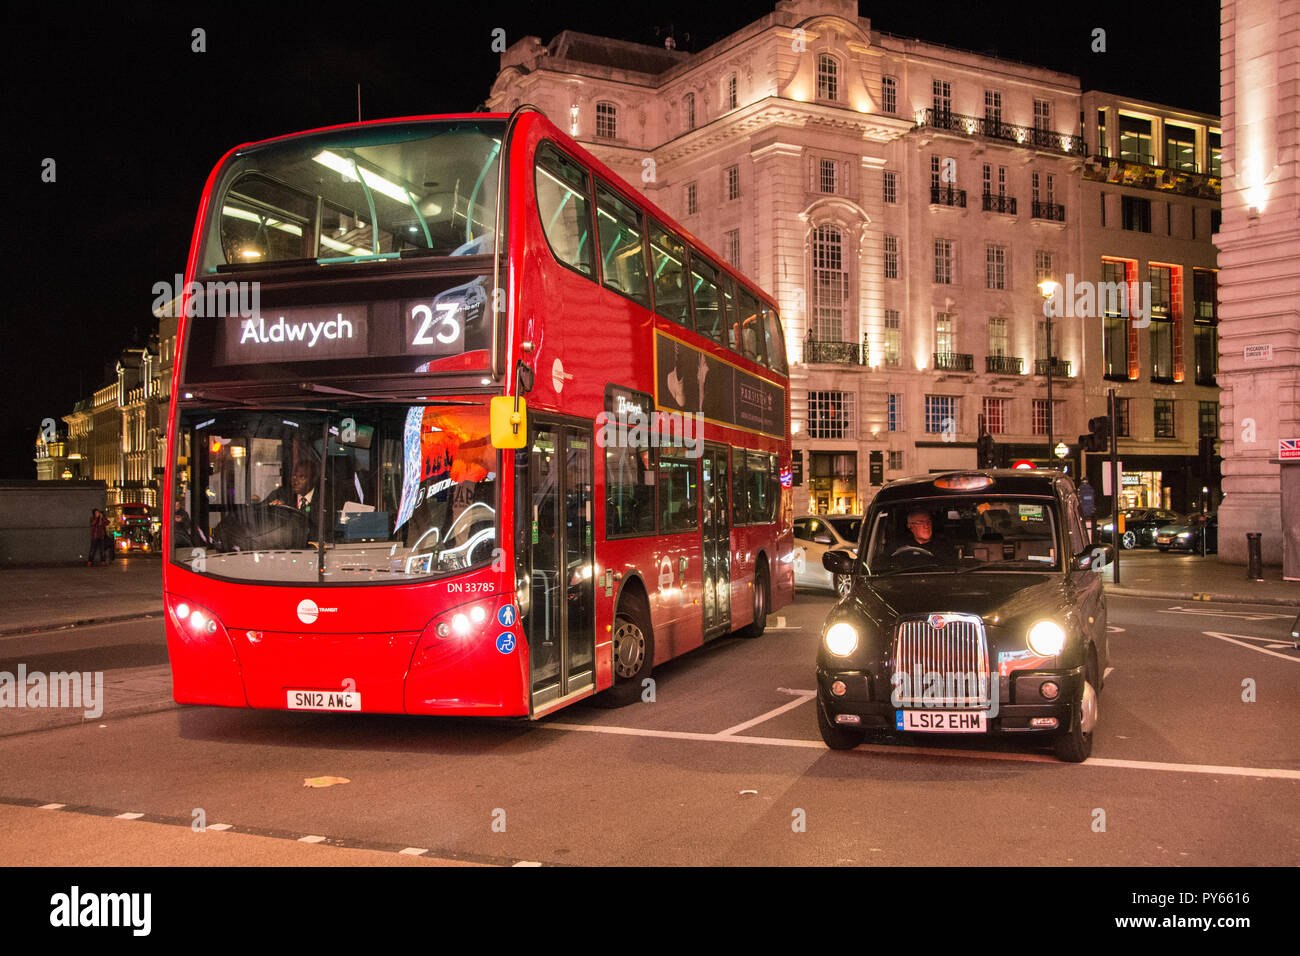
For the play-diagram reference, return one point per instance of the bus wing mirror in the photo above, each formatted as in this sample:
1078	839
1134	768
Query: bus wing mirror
509	417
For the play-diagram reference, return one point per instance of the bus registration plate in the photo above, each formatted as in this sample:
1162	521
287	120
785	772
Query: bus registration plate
324	700
942	721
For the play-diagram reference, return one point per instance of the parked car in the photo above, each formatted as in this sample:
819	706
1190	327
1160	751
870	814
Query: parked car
973	607
1187	534
1140	526
814	535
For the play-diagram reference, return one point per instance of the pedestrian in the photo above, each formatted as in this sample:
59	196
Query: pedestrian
98	537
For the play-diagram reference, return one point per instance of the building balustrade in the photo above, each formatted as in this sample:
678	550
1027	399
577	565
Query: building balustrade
954	362
825	351
999	203
991	127
1004	365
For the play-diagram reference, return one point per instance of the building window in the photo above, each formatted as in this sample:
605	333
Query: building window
1041	424
943	261
893	338
895	461
733	182
1164	417
888	94
1162	324
692	199
993	108
729	92
942	97
828	77
1135	140
1212	146
997	336
894	412
1204	329
1122	419
1207	424
688	106
1135	214
1042	114
606	120
1042	266
891	257
1114	325
827	178
890	186
830	284
940	414
1103	209
1180	148
945	336
731	243
830	414
995	267
1101	133
995	415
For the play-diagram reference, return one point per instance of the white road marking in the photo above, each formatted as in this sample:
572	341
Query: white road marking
51	806
311	839
526	863
129	816
768	716
1252	616
1114	629
220	826
1250	647
413	851
932	752
1108	673
796	693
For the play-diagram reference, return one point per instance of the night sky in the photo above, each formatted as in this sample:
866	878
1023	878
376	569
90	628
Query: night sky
135	121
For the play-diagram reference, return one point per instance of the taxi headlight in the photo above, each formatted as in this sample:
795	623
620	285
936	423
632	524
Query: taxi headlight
1046	638
841	639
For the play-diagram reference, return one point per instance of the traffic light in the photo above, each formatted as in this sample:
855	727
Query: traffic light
987	451
1098	438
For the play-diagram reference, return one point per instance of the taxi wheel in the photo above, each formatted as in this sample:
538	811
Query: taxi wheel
1075	745
634	654
757	628
835	736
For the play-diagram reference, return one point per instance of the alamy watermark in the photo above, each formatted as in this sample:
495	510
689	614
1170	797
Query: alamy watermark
629	426
1088	300
59	689
945	689
210	299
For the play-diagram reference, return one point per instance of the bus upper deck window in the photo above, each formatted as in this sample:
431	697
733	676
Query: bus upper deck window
707	298
668	268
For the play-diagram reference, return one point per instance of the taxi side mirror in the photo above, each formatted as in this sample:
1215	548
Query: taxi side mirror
509	423
838	562
1095	558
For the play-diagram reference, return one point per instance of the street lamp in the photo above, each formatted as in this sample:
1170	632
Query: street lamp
1047	288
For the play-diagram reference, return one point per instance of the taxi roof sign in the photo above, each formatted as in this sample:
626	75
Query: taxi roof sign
963	482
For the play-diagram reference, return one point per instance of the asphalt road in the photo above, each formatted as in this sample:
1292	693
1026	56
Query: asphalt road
724	767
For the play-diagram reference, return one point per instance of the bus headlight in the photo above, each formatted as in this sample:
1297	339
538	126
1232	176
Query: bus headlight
1046	638
841	639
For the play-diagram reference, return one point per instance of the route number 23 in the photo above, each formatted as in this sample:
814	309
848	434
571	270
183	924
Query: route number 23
444	329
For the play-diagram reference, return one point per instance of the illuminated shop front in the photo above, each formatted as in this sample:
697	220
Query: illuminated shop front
1144	489
833	488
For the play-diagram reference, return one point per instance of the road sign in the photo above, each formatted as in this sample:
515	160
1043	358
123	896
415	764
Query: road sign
1257	353
1061	449
1023	465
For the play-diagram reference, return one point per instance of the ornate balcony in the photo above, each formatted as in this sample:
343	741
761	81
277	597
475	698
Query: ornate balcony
826	352
1003	365
954	362
999	203
1060	367
992	128
1051	211
947	196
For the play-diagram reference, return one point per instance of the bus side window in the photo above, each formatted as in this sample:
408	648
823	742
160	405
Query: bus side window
630	491
678	491
564	204
751	336
729	313
622	249
708	301
775	341
739	486
668	265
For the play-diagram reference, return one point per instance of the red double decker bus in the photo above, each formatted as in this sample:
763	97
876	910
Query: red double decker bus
462	424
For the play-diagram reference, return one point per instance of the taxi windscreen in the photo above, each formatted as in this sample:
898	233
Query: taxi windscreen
968	533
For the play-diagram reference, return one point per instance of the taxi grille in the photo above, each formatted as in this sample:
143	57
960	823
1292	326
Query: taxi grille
957	653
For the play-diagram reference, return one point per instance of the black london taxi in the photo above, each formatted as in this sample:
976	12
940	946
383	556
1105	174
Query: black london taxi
975	607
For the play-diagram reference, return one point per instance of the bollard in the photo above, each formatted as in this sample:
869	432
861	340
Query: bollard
1254	560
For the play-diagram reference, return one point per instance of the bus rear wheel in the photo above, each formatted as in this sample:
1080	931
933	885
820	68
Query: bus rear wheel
634	654
759	625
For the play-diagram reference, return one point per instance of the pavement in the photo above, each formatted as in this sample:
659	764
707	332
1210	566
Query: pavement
46	599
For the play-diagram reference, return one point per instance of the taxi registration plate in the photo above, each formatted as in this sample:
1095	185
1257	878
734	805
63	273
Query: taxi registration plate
942	721
324	700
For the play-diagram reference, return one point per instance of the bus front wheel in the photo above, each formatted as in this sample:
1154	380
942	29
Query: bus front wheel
634	653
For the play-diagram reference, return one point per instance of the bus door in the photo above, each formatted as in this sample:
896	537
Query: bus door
560	622
716	527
